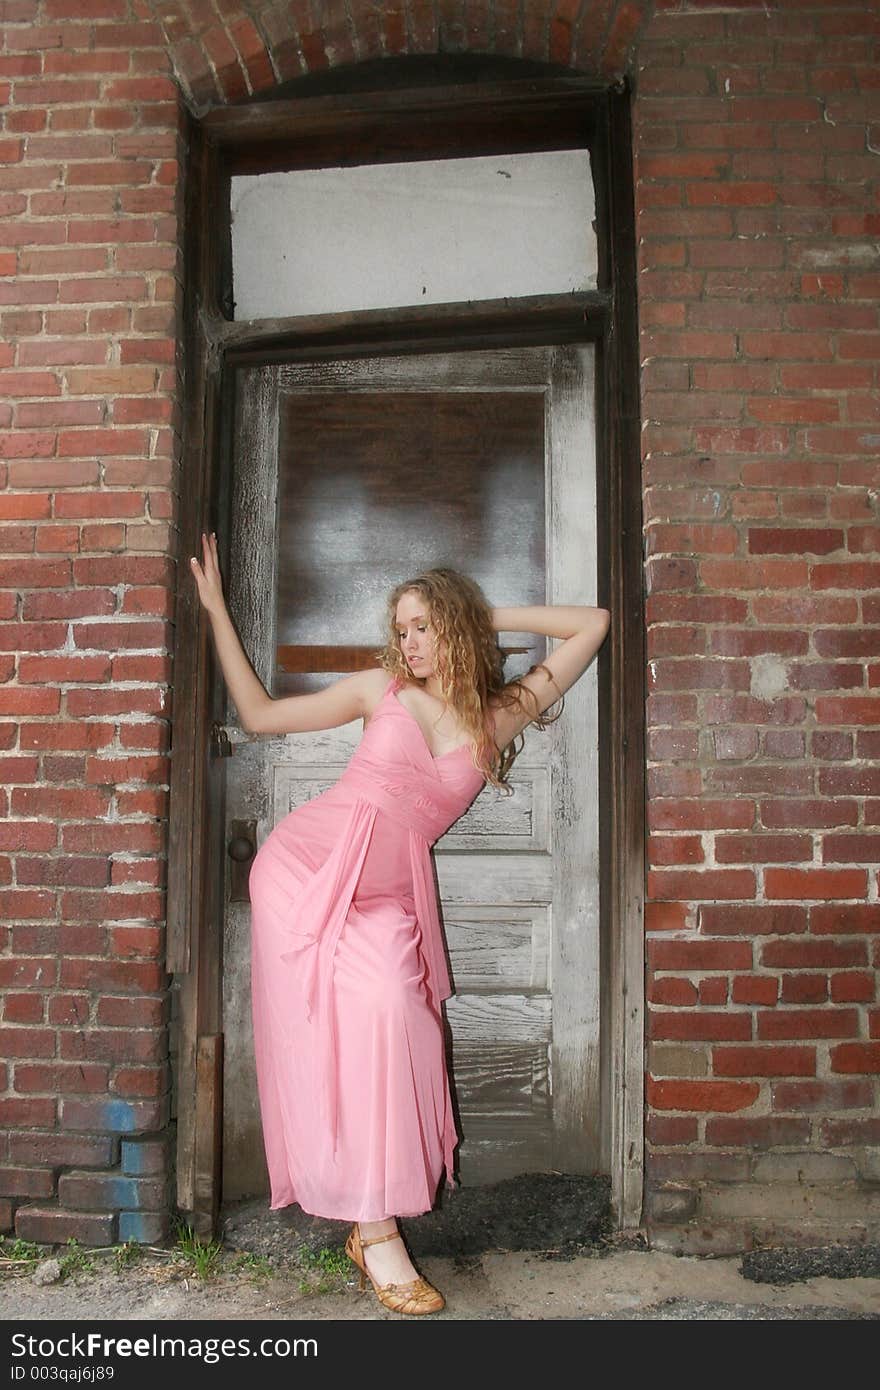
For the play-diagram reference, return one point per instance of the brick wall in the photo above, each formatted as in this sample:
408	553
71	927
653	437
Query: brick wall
88	409
757	131
758	173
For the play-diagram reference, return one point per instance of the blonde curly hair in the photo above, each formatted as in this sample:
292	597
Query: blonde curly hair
468	663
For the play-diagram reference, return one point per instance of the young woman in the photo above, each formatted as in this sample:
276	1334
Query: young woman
348	967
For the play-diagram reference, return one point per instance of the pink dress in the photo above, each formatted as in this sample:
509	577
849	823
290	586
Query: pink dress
348	972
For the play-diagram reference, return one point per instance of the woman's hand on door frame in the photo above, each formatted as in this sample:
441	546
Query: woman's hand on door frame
207	576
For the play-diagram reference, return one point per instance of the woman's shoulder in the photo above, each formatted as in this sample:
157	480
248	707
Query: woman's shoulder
375	680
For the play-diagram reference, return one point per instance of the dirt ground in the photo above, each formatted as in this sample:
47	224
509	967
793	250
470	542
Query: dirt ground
284	1279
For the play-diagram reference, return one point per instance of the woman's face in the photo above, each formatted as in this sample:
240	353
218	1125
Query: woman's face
416	634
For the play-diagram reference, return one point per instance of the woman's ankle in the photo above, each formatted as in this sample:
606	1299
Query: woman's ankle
386	1226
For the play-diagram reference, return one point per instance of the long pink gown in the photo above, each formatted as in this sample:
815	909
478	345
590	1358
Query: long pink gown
348	972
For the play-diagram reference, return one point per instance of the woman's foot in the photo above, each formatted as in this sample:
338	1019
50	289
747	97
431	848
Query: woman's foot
387	1261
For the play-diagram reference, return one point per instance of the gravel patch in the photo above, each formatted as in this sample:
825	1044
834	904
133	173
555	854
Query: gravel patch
792	1266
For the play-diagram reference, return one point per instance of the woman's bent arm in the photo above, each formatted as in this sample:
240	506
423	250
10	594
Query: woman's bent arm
583	630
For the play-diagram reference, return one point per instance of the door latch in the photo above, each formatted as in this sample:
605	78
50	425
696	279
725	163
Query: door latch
241	848
220	745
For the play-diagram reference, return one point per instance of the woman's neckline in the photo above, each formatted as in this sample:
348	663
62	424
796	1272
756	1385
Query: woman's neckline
436	757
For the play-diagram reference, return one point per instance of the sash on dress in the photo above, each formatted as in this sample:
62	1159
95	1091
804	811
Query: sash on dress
425	809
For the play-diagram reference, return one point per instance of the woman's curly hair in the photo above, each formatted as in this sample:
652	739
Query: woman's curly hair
468	663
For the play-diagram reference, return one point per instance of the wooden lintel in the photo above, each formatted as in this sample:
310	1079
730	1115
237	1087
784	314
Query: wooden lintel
535	320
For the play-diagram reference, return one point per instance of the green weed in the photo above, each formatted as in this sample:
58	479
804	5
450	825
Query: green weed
202	1255
76	1261
22	1251
256	1265
325	1270
126	1254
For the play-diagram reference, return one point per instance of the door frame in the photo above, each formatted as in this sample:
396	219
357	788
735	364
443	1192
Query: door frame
393	124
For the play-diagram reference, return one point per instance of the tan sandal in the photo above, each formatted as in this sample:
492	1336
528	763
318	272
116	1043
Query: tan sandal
418	1296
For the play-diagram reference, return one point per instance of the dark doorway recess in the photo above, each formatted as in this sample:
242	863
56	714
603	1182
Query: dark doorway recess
417	111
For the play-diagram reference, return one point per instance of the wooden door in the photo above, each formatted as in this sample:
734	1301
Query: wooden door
349	476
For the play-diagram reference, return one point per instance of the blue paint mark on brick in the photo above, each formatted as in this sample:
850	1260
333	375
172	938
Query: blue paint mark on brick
132	1157
119	1115
144	1227
123	1192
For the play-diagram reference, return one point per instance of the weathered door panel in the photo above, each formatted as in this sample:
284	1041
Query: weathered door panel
348	477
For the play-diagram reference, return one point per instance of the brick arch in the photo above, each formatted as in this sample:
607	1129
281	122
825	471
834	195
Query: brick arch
228	50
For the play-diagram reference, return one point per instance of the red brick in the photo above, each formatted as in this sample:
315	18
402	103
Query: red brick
55	1226
863	539
815	883
702	1095
764	1061
759	1132
747	642
853	986
71	1077
141	1116
119	1011
863	1057
663	990
807	988
27	1182
846	575
101	703
666	1130
140	1081
699	955
713	990
112	1045
17	905
701	884
27	1042
818	1097
700	1025
22	972
84	973
762	849
64	669
60	804
69	1008
702	608
828	743
674	849
845	781
98	1191
30	1112
754	989
808	1023
102	838
704	814
846	1133
76	603
107	906
23	1008
666	916
805	954
60	735
851	848
795	813
794	540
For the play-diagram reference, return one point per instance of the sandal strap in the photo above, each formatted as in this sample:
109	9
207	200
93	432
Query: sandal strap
376	1240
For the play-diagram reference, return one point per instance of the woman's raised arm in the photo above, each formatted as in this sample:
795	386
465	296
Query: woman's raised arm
344	700
583	630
